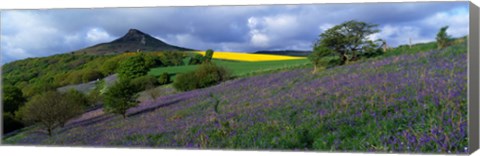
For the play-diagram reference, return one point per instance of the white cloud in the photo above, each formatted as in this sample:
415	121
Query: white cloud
400	35
97	35
456	19
325	27
271	30
26	35
252	22
259	40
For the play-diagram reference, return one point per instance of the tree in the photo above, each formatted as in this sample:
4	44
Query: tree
120	97
73	104
347	39
12	98
95	96
442	38
208	55
50	109
77	97
133	67
317	55
172	58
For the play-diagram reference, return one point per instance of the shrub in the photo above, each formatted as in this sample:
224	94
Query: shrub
145	82
210	74
186	81
120	97
205	75
164	79
90	75
196	59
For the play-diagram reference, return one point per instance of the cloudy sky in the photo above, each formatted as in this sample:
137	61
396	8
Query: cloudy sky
35	33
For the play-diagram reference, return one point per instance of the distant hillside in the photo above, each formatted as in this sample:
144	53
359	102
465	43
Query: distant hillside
133	41
285	52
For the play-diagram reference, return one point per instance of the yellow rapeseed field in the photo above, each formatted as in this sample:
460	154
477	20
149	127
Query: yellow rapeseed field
236	56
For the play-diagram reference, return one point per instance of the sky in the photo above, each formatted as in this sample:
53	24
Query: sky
38	33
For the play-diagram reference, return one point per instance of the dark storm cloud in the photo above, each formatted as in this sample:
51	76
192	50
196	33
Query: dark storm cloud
231	28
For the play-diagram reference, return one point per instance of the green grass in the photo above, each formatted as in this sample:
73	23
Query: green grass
236	67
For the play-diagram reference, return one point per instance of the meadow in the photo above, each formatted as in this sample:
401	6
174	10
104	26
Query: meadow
410	102
238	68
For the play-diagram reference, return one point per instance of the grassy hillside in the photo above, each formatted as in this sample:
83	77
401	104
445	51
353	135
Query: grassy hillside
236	67
411	102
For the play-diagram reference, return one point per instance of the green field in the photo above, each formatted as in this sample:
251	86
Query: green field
236	67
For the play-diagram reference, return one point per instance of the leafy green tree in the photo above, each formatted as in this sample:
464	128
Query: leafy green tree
75	96
96	95
74	103
317	55
208	55
120	97
50	109
172	58
152	60
133	67
442	38
347	39
12	98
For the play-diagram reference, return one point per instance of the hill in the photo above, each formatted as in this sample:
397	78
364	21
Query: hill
133	41
386	104
285	52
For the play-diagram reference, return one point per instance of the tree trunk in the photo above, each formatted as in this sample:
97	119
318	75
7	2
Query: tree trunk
314	69
354	56
49	131
344	59
385	46
124	115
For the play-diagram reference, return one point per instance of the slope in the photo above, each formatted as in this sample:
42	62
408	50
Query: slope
407	103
